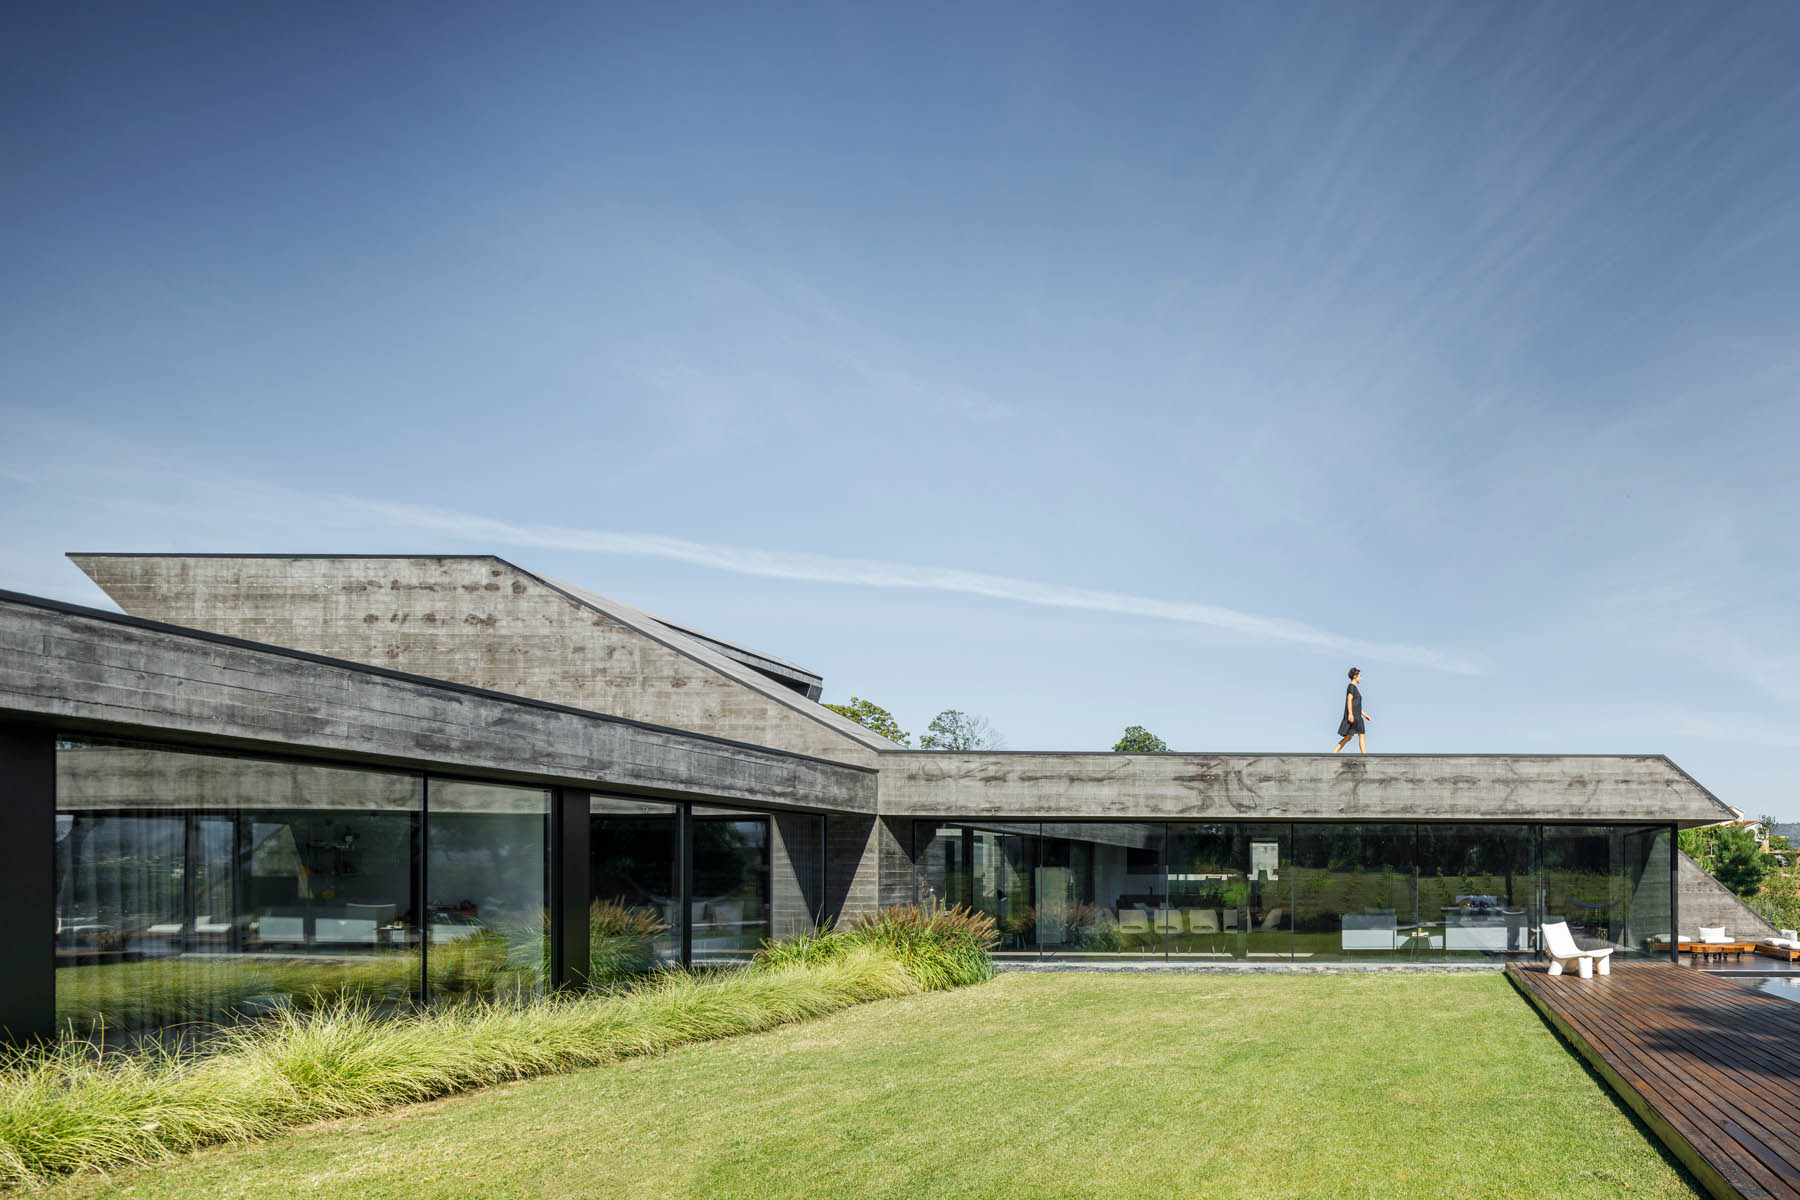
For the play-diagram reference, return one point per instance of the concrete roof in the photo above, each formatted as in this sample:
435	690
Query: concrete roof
87	671
998	785
301	599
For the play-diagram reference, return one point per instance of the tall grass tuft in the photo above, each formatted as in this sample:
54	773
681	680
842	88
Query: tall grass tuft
938	947
66	1109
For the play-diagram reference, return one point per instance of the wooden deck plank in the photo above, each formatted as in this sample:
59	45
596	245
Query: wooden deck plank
1707	1108
1711	1066
1688	1073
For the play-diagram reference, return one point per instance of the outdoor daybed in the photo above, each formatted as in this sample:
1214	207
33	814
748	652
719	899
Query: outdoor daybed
1786	947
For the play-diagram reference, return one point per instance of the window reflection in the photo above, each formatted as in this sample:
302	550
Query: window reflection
1066	888
730	907
486	921
634	920
1475	888
197	887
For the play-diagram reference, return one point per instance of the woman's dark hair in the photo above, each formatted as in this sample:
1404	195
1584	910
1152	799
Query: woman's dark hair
1355	671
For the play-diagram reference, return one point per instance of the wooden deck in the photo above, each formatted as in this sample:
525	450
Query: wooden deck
1712	1066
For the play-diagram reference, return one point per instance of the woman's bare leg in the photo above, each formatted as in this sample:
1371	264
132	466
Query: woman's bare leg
1342	742
1362	744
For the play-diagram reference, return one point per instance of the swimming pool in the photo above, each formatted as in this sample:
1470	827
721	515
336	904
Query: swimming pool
1787	988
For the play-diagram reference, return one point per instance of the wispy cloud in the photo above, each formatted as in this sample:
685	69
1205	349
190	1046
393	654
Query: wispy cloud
819	568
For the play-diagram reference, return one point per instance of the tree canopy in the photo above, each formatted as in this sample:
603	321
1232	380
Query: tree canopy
873	717
1138	740
1739	865
954	730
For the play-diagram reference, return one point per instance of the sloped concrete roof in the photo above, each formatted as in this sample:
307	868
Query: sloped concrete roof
484	621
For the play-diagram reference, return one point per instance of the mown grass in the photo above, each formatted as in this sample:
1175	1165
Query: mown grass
1030	1086
68	1109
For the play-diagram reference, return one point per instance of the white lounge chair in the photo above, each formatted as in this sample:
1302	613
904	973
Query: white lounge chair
1134	926
1560	947
1203	920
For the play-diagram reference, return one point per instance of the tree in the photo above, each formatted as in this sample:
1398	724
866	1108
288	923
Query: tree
1739	865
953	730
873	717
1138	740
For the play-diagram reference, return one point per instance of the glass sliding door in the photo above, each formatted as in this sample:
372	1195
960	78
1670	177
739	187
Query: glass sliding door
1354	892
1230	892
796	873
730	908
1099	889
1650	896
997	876
487	875
1477	891
1070	889
1609	882
634	876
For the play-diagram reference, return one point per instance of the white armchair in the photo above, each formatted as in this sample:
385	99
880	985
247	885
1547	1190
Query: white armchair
1559	945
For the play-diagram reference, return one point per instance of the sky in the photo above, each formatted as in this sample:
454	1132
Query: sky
1076	366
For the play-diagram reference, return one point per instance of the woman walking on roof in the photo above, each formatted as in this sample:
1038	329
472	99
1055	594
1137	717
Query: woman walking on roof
1354	716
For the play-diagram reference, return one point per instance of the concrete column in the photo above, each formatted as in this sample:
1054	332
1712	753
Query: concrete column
796	859
894	861
852	870
28	935
868	864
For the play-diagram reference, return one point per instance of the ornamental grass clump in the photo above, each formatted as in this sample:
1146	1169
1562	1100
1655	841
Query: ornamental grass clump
938	947
68	1108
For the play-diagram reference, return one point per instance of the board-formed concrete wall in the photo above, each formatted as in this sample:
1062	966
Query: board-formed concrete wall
1703	900
83	670
481	621
1605	789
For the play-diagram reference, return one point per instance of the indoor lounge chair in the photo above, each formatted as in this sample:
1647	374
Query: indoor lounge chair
1134	927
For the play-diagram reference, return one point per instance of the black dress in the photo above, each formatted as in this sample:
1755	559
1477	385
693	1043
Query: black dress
1347	726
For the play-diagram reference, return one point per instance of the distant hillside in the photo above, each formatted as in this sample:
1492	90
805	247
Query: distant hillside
1790	831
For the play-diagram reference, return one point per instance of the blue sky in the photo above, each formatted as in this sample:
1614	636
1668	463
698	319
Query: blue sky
1071	365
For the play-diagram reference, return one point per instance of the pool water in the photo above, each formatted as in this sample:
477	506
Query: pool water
1787	989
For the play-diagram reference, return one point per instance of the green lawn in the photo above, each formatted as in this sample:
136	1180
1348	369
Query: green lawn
1033	1085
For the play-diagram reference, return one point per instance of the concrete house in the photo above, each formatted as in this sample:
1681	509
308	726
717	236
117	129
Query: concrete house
282	777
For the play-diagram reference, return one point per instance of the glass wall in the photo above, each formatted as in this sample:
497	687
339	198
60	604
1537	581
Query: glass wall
194	887
197	887
1097	889
1609	882
1070	889
1326	892
1476	889
730	908
1355	893
1230	892
634	872
486	889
